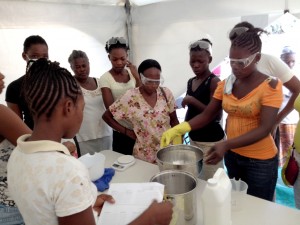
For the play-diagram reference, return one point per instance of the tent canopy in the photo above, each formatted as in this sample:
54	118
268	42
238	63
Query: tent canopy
158	29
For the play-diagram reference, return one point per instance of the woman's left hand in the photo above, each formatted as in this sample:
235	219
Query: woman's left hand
100	202
215	154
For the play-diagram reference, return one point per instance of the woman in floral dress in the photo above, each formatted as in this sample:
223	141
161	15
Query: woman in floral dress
150	108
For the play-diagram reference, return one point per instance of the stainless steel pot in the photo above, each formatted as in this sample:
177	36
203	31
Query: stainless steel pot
180	157
180	189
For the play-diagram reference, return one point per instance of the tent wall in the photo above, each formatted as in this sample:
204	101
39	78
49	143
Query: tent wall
165	33
64	26
161	31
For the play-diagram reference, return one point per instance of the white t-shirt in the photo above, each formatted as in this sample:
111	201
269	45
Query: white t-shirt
273	66
93	126
117	89
46	182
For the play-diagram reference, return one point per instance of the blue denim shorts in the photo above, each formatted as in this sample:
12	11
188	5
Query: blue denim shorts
10	216
260	175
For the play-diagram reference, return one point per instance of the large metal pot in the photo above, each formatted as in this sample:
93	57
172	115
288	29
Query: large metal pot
180	189
180	157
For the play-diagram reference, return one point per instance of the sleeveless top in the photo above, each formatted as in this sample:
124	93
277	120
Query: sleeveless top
213	131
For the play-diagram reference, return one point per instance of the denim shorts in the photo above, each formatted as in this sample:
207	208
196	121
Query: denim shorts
260	175
10	216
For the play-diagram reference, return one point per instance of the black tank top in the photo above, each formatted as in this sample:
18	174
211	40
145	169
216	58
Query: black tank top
213	131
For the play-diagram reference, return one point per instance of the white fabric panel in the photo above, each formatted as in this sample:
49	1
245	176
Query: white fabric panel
64	27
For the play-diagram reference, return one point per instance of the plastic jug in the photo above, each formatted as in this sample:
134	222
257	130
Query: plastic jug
216	200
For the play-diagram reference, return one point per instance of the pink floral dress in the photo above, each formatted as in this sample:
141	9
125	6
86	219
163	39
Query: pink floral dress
148	123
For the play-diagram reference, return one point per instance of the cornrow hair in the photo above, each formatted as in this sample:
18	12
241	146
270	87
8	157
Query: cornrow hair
45	84
249	39
76	54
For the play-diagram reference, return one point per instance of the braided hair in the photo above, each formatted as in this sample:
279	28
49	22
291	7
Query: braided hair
45	84
249	40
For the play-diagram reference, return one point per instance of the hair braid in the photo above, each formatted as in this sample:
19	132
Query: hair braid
250	40
45	84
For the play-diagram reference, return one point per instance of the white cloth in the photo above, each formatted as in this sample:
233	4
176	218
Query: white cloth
93	126
117	89
46	182
275	67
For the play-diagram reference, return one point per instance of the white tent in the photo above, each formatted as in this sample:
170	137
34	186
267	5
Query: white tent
161	30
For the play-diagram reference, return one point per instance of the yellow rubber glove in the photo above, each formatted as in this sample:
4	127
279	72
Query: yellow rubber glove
174	132
177	140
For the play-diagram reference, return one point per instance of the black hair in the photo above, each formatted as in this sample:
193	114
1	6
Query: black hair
250	40
117	44
33	40
76	54
244	24
148	63
198	48
45	84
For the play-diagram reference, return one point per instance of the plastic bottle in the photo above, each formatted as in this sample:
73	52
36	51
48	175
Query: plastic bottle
216	200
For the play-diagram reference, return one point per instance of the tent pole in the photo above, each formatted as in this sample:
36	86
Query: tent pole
129	27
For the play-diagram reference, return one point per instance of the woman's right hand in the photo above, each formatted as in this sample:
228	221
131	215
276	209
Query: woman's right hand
131	134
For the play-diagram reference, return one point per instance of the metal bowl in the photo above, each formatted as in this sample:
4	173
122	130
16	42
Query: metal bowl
180	157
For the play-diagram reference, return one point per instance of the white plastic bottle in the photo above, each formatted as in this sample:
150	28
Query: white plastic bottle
216	200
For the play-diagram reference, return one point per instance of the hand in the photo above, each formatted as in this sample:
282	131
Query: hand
215	154
1	82
131	134
173	133
100	202
133	69
161	213
71	146
187	100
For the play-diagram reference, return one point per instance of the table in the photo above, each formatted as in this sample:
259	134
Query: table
255	211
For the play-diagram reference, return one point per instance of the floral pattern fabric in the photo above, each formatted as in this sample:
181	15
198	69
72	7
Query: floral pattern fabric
6	149
149	123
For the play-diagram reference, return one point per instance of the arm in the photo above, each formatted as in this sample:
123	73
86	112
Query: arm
210	112
173	119
107	96
84	217
15	108
156	214
109	119
197	122
135	73
294	87
12	127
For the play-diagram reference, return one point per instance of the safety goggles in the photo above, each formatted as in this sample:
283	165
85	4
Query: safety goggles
243	63
115	40
202	45
148	81
237	31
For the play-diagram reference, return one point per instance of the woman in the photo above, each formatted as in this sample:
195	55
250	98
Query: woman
55	188
287	126
252	100
94	134
10	129
150	108
297	155
200	90
115	82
